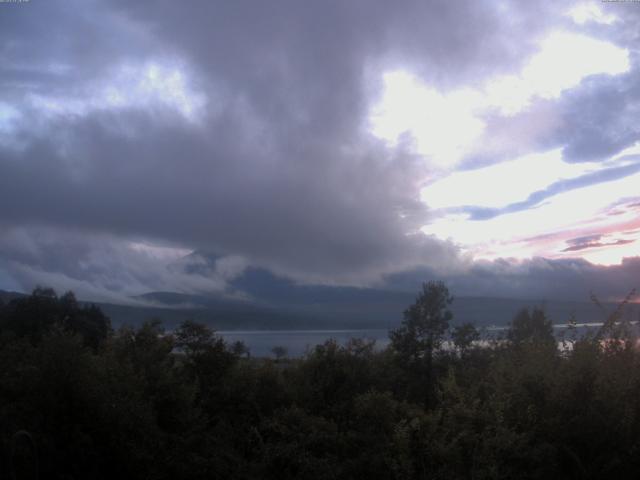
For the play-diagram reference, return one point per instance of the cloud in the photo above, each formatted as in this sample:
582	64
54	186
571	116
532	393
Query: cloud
584	239
106	267
446	126
525	175
129	87
474	191
591	12
277	170
583	246
243	129
536	278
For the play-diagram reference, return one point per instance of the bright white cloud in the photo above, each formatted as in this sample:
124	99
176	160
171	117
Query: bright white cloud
590	12
446	125
563	60
443	126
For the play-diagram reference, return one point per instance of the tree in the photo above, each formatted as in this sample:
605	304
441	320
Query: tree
424	325
464	335
422	331
32	316
38	314
240	349
206	357
194	338
279	352
88	321
531	328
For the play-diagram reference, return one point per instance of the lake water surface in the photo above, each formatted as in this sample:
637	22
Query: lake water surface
296	342
260	342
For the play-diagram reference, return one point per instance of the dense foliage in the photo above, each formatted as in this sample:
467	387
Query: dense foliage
78	400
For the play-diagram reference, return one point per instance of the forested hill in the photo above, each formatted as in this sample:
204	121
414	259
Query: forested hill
348	309
81	400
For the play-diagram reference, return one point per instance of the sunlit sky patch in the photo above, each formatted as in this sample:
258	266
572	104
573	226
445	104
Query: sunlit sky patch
531	196
591	12
443	125
544	228
487	187
446	125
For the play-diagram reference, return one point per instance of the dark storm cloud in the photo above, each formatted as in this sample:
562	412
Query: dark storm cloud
168	186
57	45
599	118
274	165
537	278
279	170
557	279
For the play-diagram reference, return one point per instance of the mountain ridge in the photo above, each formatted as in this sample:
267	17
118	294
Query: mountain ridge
223	313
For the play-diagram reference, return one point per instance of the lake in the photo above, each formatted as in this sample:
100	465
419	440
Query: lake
260	342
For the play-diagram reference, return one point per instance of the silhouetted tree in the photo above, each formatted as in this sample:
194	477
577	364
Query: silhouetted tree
463	336
207	359
153	405
531	328
422	332
87	321
279	352
36	315
240	349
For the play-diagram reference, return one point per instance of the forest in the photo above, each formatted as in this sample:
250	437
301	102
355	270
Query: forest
80	400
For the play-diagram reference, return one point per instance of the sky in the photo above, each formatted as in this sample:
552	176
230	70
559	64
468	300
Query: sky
171	146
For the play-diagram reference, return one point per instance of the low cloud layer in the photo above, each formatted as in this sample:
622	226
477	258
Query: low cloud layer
537	279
